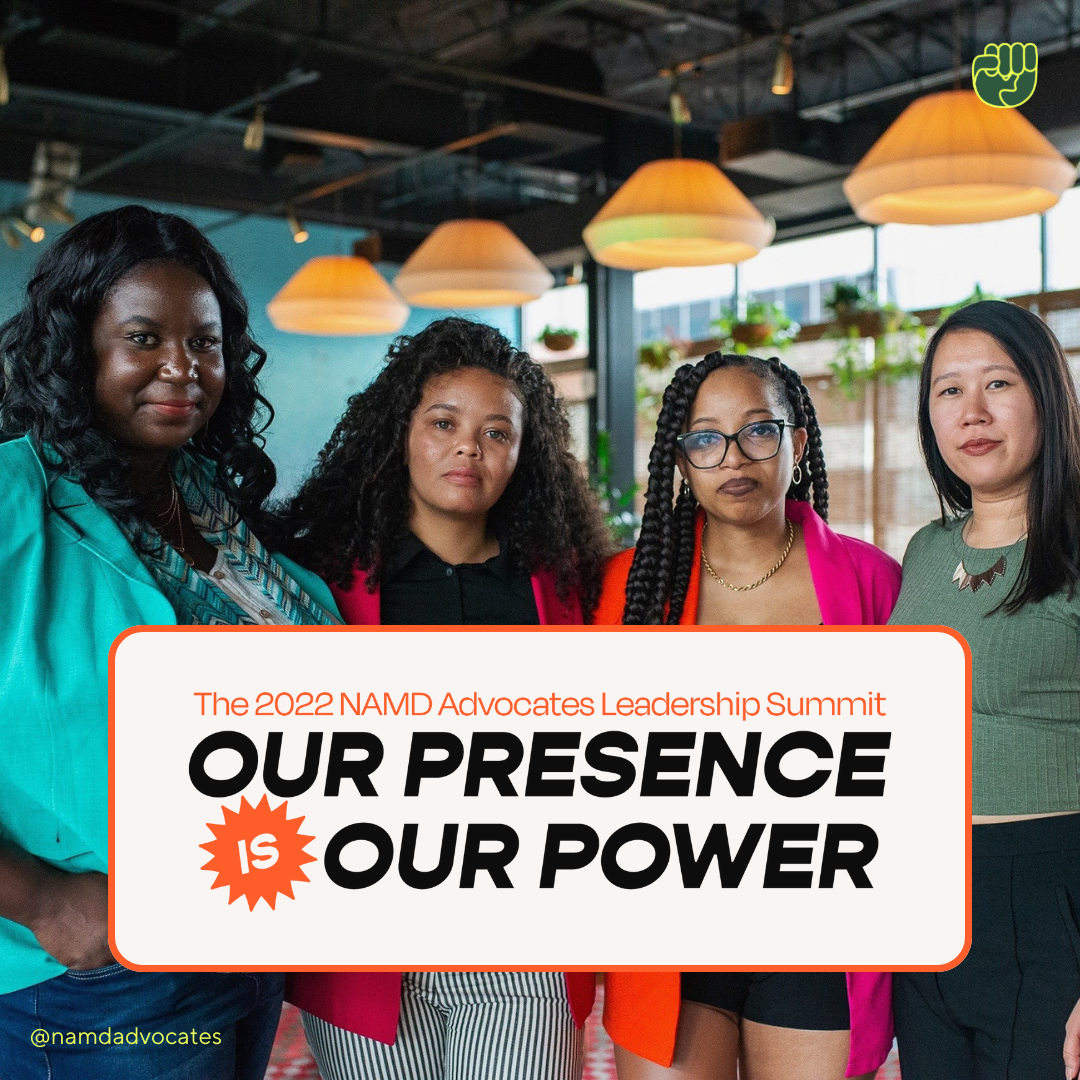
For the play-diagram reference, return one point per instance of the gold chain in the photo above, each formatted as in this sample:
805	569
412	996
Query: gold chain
173	514
760	581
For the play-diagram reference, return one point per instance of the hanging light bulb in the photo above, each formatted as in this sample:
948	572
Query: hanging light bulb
680	110
949	159
677	212
783	79
5	82
338	294
255	133
472	263
296	226
34	233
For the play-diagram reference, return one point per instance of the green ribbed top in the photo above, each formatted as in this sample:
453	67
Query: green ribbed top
1025	694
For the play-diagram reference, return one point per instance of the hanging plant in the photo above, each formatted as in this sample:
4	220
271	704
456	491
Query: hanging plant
764	326
660	355
558	339
897	335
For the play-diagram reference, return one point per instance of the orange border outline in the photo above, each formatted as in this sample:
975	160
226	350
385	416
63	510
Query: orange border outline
541	630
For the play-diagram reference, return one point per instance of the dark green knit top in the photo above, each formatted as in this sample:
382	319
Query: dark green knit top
1025	702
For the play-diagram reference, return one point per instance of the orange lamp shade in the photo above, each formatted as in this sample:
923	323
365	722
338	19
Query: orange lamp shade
472	263
677	212
337	294
949	159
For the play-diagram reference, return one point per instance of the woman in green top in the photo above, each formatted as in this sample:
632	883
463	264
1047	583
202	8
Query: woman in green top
1000	430
131	471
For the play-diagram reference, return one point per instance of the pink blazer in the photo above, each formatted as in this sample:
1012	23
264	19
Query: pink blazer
368	1002
856	585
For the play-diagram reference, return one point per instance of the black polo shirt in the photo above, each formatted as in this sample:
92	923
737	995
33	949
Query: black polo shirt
418	587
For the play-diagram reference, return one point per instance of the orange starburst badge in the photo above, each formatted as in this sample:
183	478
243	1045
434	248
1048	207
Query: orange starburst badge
258	852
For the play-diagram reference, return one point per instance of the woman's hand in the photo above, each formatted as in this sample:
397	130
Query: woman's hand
73	923
67	913
1071	1052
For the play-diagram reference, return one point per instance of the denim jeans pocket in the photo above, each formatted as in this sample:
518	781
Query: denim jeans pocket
95	974
1068	906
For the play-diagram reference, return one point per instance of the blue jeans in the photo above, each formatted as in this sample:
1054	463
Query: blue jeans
114	1024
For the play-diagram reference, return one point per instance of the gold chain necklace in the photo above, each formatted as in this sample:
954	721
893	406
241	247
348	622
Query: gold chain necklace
173	513
760	581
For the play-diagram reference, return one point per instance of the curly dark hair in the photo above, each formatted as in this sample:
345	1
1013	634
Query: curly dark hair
354	508
48	365
663	559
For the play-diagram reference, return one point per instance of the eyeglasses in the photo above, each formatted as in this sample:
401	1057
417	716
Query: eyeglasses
758	441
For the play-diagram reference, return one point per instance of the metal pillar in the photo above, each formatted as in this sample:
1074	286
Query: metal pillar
611	346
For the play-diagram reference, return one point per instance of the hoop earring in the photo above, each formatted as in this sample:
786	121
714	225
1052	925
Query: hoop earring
796	475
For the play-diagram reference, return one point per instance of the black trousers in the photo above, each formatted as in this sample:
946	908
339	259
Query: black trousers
1000	1015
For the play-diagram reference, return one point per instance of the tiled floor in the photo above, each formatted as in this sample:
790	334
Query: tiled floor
292	1060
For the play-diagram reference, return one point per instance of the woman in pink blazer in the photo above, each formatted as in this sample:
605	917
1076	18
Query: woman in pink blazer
449	495
745	542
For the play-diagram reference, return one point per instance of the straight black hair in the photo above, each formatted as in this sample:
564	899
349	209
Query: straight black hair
1052	556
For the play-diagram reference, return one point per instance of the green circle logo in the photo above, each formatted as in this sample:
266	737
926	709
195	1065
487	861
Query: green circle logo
1004	76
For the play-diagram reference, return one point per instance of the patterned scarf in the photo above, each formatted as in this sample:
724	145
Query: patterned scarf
197	601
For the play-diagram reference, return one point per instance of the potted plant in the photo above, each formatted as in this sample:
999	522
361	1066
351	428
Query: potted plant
659	355
763	326
852	309
558	339
896	334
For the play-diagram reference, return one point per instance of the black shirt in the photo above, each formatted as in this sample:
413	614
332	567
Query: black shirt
419	588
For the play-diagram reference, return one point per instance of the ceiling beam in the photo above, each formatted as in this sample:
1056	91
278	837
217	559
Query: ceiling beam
499	31
879	54
393	59
371	173
163	114
389	167
194	127
818	26
665	11
557	7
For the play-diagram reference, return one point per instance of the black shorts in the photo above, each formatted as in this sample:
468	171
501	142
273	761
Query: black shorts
808	1000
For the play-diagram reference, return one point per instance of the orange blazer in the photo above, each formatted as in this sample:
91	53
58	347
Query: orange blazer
856	584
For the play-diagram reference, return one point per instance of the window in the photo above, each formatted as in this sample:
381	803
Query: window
929	266
1062	250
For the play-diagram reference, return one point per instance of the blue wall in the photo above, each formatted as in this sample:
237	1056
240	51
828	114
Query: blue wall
307	379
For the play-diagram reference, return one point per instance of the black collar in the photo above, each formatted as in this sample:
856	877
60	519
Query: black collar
412	548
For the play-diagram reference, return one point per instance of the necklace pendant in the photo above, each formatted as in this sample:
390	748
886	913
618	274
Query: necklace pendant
187	558
974	582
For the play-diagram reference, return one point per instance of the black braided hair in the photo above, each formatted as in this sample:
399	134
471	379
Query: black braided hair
663	559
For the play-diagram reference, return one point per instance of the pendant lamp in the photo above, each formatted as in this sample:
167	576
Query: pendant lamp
949	159
337	294
472	263
677	212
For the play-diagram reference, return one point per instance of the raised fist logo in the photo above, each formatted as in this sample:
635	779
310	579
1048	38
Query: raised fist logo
1004	76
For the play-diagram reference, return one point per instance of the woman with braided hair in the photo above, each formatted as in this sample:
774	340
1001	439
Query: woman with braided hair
744	542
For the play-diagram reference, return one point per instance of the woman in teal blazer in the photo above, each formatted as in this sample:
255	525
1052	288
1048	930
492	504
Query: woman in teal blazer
131	475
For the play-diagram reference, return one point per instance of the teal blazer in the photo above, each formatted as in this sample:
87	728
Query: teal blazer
69	583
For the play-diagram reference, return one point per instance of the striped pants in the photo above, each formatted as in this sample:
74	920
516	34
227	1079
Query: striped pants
463	1025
